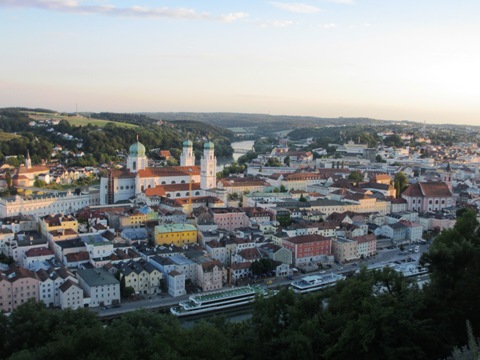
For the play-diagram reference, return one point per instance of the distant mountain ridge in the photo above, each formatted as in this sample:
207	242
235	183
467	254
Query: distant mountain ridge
264	122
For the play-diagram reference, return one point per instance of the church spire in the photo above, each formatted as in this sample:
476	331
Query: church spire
28	161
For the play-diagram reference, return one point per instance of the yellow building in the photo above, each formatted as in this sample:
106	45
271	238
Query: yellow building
138	217
57	222
175	234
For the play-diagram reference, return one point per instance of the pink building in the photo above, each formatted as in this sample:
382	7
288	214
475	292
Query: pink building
17	285
366	245
428	196
229	218
211	275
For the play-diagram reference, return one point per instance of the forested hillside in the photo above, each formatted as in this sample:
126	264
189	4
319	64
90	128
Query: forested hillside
103	143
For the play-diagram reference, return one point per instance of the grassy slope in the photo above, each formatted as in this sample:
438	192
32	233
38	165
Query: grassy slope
6	136
77	120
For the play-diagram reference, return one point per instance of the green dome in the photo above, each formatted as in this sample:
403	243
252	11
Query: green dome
208	145
137	149
187	143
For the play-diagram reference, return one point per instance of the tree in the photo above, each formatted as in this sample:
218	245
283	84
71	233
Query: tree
286	161
454	287
39	183
284	220
172	162
128	291
8	179
393	140
355	175
302	198
273	162
470	351
400	182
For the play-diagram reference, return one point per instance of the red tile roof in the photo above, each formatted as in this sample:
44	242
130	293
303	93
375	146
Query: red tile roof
39	252
303	239
428	189
169	171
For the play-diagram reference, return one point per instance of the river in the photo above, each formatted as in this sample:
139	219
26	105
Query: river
239	149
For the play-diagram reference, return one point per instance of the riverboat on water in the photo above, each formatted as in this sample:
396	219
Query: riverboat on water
315	282
220	300
413	269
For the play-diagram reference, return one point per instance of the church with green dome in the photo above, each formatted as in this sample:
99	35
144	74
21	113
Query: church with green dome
138	180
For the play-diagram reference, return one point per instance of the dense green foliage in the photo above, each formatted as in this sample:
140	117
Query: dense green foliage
338	134
400	181
233	168
355	175
107	143
373	315
393	140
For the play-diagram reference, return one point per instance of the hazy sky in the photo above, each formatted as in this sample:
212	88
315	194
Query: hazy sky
416	60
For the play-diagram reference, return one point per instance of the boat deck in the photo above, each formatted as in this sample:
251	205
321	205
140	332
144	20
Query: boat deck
316	280
224	294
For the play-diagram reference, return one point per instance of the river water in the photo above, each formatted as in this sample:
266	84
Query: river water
239	149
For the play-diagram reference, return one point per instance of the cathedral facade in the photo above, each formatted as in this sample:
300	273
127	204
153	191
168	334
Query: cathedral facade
175	181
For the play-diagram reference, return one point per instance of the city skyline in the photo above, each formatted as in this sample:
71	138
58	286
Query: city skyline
327	58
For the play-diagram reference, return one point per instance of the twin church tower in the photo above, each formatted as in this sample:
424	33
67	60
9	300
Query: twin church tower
124	184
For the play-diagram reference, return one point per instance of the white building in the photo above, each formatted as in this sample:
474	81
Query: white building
71	295
42	205
176	283
100	285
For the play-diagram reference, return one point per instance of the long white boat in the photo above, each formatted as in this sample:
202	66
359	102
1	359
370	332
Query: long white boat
315	282
220	300
412	269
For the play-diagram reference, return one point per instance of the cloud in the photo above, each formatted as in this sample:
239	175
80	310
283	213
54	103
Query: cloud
295	7
73	6
233	16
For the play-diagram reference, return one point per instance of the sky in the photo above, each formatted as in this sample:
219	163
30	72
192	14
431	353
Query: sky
384	59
